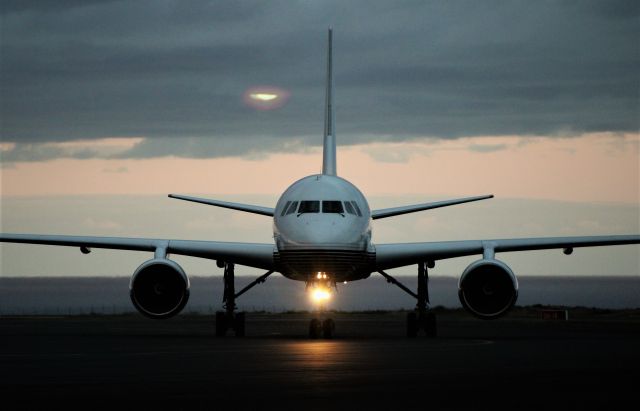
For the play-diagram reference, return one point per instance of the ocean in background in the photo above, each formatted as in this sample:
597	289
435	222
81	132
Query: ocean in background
110	295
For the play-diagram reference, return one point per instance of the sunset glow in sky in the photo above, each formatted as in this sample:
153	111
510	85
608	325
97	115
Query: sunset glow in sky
593	167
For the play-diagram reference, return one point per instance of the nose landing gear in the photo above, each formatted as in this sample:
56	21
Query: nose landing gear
320	291
324	328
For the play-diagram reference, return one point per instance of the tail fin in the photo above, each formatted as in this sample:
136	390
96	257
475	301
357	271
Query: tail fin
329	147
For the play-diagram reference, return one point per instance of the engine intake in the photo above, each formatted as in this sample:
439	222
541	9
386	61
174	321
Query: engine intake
488	289
159	288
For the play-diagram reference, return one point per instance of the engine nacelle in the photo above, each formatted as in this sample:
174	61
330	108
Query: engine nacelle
488	289
159	288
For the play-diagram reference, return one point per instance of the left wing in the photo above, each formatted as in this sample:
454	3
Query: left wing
249	254
398	255
390	212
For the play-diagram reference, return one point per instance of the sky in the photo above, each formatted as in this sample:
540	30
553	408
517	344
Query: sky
108	106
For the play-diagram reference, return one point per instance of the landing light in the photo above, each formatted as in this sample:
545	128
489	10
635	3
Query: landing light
320	295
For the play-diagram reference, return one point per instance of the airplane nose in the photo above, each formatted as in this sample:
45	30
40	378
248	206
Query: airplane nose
320	234
335	232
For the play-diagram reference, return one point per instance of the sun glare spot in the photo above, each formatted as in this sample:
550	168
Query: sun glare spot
265	97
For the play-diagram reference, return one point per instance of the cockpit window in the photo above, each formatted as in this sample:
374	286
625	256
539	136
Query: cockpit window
355	205
309	207
292	208
284	209
332	207
349	208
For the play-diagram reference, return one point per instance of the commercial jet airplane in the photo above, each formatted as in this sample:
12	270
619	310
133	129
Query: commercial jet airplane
322	236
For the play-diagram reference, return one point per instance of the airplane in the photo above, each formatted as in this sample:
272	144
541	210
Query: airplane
323	236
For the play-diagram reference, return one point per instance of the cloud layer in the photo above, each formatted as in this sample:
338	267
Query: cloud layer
175	73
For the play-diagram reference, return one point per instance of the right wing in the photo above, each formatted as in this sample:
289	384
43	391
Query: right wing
398	255
225	204
249	254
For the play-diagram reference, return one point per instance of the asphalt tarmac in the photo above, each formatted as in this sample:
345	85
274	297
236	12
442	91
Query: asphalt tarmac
591	361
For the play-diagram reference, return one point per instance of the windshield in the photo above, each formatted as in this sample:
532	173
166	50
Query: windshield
309	207
292	208
355	206
332	207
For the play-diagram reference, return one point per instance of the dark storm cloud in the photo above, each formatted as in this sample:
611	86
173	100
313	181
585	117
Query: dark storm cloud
175	72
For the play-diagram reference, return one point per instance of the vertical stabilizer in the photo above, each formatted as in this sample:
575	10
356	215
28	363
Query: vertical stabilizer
329	147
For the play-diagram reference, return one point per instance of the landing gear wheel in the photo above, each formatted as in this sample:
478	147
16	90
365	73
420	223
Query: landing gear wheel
238	325
315	328
412	325
221	324
431	325
328	327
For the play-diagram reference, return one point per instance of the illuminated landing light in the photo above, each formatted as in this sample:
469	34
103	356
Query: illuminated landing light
320	291
320	295
265	97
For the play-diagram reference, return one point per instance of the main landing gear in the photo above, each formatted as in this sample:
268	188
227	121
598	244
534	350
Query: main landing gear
229	319
422	318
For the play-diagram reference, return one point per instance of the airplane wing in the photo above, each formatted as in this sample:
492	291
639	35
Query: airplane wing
225	204
390	212
249	254
398	255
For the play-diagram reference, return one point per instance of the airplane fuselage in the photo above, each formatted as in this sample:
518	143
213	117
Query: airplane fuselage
322	224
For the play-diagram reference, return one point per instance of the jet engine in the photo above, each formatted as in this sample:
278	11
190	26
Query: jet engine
488	289
159	288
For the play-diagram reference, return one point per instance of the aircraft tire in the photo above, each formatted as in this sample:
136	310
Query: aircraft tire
431	325
239	324
221	324
412	325
328	327
315	328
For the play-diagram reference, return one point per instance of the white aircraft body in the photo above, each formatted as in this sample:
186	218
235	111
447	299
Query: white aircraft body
322	232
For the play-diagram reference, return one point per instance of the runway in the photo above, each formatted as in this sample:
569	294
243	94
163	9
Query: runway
129	362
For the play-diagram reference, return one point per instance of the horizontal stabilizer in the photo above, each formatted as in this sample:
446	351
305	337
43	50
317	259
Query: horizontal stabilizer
225	204
390	212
